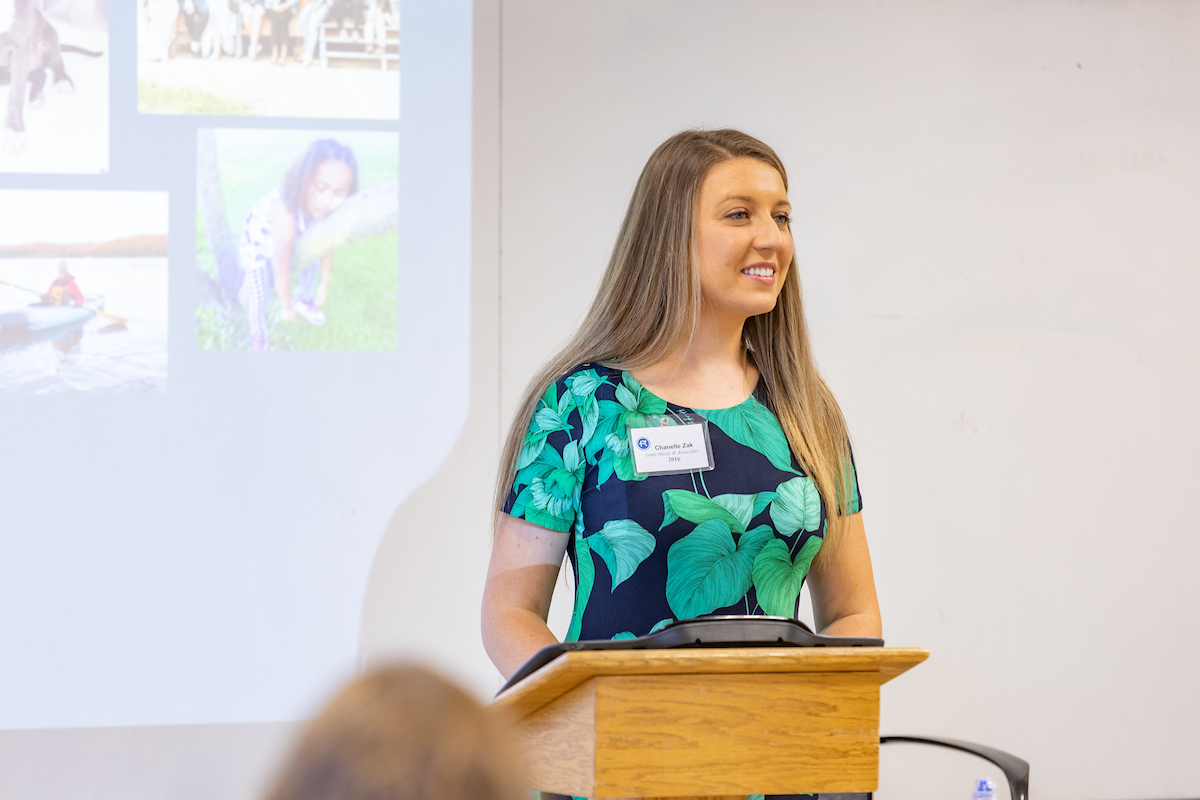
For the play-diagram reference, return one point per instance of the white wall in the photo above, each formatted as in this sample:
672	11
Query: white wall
996	209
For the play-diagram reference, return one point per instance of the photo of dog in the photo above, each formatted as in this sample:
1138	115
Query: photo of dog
67	135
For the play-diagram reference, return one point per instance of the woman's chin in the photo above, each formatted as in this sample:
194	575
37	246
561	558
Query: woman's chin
757	308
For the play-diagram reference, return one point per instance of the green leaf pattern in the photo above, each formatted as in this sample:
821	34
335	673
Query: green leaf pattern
777	578
624	545
752	424
583	386
715	564
680	503
585	579
798	506
707	569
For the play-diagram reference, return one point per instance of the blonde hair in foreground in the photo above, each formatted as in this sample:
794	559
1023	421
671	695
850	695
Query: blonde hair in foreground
402	733
648	306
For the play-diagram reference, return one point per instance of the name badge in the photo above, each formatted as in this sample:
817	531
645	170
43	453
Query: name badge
669	448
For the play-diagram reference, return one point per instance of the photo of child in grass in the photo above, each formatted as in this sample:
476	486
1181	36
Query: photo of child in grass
296	240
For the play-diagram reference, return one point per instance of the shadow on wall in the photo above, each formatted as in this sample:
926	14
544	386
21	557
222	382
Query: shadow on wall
426	582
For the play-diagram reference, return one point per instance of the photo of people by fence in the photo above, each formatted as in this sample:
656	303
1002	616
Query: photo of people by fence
83	291
54	77
279	58
296	240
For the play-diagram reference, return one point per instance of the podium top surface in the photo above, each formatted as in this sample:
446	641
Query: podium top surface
571	669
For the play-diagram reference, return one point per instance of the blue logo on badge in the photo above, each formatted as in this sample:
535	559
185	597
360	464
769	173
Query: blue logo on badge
643	443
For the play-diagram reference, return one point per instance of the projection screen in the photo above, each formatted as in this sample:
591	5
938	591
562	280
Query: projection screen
234	266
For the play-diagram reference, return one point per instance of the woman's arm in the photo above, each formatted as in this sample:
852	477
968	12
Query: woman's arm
283	229
843	586
516	597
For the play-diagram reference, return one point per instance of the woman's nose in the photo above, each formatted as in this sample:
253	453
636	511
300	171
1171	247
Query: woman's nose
769	235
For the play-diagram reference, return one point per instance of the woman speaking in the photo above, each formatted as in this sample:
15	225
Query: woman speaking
683	449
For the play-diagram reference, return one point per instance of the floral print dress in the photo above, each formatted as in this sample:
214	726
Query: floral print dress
646	551
649	550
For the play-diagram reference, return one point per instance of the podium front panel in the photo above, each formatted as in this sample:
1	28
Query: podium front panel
661	736
716	723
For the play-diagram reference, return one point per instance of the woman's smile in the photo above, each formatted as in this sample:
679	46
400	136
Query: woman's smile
763	272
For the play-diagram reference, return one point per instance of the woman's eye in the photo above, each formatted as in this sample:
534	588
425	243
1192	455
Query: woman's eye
783	219
737	215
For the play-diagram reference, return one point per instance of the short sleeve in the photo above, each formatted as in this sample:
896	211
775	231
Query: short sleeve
551	464
854	502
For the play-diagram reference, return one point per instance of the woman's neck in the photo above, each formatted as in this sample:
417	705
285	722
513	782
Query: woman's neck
711	370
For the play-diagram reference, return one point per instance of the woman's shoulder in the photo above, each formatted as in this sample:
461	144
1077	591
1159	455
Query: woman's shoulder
592	368
580	384
588	378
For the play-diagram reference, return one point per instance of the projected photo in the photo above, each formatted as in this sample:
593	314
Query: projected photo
54	73
296	240
279	58
83	291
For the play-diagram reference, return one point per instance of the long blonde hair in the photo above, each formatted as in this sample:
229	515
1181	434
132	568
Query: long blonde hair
648	306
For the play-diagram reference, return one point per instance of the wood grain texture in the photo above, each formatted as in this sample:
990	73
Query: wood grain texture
571	669
789	733
559	742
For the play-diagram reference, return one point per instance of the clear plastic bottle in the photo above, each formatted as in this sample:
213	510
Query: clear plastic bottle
985	789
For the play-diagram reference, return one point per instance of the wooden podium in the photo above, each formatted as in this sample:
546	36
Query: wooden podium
705	722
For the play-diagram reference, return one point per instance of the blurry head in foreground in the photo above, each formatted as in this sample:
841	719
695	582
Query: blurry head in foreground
402	733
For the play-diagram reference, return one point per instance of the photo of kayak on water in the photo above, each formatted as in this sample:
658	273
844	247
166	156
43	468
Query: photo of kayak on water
83	310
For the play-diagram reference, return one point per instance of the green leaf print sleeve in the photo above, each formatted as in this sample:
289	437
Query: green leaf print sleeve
551	464
752	424
854	504
583	386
